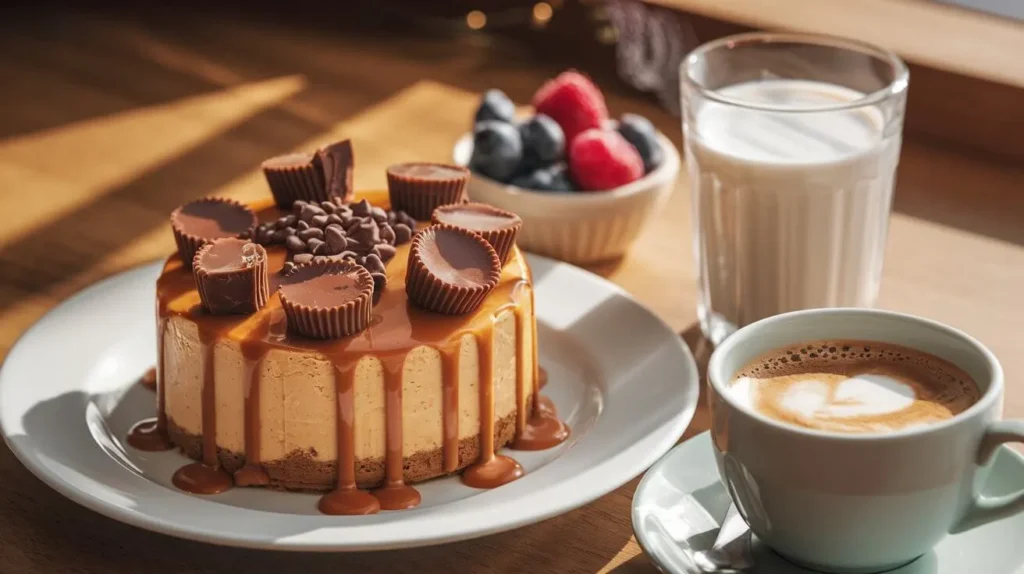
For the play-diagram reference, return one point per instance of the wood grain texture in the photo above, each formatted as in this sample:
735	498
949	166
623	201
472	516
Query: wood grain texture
923	32
106	125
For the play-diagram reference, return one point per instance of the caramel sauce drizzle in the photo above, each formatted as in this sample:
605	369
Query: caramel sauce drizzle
450	407
151	434
253	473
347	498
406	327
491	469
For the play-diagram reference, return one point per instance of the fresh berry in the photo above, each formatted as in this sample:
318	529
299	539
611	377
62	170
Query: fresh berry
551	178
543	141
573	101
495	105
639	131
497	149
601	160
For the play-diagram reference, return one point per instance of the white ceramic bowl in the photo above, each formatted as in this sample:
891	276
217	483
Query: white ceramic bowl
578	227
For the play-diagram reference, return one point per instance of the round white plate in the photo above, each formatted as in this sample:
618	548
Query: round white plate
622	379
680	503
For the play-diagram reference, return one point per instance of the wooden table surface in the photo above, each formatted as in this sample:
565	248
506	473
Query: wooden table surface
106	125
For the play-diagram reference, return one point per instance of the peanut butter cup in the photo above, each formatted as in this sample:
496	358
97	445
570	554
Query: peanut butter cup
497	226
337	165
419	188
327	299
316	177
451	270
231	276
199	222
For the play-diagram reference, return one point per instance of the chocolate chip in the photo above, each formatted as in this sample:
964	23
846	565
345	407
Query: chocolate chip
264	235
367	233
317	247
347	255
301	258
311	233
287	267
344	211
387	235
319	220
362	209
309	211
298	206
378	214
403	233
351	224
335	238
392	218
281	235
373	264
352	244
302	226
385	251
328	206
287	221
335	219
294	244
403	217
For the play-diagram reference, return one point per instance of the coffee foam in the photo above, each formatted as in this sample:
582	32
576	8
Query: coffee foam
854	386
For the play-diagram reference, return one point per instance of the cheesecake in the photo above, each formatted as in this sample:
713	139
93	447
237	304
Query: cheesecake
343	348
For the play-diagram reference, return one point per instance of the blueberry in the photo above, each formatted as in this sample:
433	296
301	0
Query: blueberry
551	178
639	131
543	141
495	105
497	149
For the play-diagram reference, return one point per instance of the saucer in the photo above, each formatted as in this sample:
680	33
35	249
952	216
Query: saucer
68	396
680	503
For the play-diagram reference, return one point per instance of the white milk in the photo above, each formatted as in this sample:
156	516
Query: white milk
792	208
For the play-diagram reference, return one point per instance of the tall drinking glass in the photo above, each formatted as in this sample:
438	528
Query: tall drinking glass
792	143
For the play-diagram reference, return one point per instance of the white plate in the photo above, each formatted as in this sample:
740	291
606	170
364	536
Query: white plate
680	502
622	379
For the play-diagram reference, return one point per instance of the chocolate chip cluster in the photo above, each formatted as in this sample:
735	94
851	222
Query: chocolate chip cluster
327	230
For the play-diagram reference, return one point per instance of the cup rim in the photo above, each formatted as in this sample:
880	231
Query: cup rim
985	402
896	87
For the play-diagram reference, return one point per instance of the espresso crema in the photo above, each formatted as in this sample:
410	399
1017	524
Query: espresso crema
854	386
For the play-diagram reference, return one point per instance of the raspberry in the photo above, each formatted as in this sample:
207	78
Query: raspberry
601	160
573	101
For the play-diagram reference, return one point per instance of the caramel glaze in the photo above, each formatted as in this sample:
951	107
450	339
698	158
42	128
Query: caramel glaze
397	328
151	434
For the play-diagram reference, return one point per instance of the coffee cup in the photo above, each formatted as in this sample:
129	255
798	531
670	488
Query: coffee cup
875	498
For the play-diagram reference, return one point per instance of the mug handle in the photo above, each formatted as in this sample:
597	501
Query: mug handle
988	508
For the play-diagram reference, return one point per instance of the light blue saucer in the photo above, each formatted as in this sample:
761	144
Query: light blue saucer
680	502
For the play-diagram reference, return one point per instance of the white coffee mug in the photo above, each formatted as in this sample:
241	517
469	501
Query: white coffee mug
859	502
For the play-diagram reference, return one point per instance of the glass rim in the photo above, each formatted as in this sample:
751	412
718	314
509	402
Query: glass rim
894	88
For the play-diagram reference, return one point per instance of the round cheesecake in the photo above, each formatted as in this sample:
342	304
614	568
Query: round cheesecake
416	395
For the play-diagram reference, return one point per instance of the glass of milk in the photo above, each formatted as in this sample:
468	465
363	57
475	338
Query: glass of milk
792	143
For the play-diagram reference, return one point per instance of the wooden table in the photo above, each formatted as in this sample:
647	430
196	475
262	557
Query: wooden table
107	125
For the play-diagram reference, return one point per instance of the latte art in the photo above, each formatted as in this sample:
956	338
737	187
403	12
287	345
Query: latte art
854	386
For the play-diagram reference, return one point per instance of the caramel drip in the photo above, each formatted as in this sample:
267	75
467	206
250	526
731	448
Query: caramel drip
148	380
206	477
544	429
491	470
347	498
151	434
450	407
395	494
521	372
253	473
